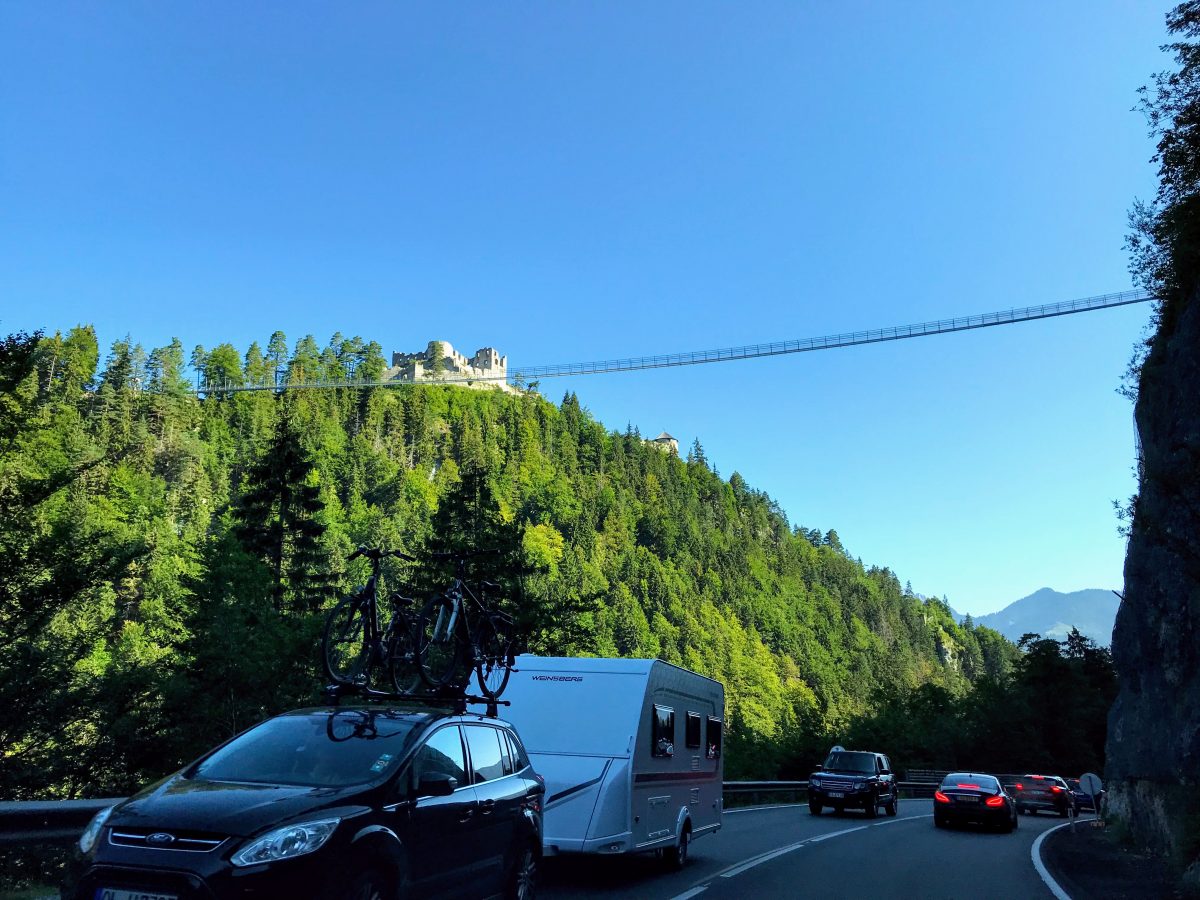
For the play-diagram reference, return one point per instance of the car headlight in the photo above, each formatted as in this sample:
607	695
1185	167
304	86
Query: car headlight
87	840
814	782
859	785
286	842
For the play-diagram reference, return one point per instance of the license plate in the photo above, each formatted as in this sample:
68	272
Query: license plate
123	894
836	794
966	798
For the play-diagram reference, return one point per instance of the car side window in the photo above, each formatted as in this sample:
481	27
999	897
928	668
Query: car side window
486	760
506	754
520	760
442	754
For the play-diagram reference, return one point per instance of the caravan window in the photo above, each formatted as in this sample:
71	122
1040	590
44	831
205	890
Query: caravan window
693	729
662	732
714	738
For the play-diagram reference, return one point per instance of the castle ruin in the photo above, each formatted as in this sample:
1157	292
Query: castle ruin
487	365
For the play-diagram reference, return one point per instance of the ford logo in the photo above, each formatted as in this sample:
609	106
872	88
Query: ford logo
159	838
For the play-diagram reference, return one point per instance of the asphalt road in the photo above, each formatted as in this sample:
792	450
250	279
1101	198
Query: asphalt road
785	852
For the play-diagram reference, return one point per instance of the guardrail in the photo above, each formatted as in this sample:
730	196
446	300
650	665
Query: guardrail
62	821
910	789
47	821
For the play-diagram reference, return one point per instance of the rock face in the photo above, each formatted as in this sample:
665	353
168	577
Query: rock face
1153	752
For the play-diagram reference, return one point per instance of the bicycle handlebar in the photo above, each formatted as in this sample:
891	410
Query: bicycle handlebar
465	554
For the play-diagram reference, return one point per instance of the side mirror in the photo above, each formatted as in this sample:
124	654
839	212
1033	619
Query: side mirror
436	784
820	768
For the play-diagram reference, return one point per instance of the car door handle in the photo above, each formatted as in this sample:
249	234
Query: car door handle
467	813
488	806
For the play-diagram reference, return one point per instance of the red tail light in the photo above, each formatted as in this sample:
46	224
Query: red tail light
1038	777
970	787
1020	787
1055	789
994	801
940	797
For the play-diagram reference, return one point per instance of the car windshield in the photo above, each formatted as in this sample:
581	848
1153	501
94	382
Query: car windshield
851	763
969	781
332	749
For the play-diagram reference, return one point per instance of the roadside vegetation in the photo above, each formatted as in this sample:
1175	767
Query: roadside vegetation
169	559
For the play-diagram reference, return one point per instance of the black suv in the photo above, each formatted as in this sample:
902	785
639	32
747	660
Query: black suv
854	779
343	802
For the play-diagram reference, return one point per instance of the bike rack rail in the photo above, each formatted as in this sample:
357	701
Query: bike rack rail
456	700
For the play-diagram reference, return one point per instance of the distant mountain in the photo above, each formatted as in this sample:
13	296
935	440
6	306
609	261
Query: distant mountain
1052	614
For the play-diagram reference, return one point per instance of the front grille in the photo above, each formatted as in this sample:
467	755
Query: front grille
836	785
148	838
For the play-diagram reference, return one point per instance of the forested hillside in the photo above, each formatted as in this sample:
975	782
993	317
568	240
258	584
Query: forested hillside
167	559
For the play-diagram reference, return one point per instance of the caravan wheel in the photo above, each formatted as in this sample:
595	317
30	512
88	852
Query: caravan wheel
676	856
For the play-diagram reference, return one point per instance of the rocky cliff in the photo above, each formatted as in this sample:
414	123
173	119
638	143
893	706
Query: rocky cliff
1153	752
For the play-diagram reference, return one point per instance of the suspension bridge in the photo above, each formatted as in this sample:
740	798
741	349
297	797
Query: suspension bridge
527	375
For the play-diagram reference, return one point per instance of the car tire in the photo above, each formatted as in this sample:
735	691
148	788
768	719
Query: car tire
814	808
892	807
939	822
368	884
872	808
676	857
522	879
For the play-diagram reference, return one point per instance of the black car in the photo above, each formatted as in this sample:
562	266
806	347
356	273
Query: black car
854	779
1044	792
972	797
1083	800
343	802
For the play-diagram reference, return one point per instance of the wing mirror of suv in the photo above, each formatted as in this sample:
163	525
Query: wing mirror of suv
820	768
437	784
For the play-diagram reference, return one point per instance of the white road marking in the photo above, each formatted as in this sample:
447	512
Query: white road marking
833	834
758	860
730	812
1035	853
780	851
699	889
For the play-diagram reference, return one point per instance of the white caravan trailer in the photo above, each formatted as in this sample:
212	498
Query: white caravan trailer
630	750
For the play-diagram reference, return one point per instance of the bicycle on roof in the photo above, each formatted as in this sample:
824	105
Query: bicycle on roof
459	630
356	642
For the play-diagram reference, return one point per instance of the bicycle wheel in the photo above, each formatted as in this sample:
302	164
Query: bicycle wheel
437	646
402	654
343	644
494	662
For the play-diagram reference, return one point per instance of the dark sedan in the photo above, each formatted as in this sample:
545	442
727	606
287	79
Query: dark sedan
1044	792
971	797
357	803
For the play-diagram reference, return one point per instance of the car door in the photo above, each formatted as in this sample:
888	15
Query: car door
887	779
445	853
500	795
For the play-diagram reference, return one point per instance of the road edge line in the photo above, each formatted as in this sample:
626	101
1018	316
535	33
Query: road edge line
1035	853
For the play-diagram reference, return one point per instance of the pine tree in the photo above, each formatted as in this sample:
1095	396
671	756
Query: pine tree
280	522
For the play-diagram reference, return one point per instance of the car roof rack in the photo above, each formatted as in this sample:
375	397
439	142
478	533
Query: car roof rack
457	701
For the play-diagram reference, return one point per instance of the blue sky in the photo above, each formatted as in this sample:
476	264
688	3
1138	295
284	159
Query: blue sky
574	181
